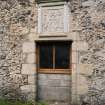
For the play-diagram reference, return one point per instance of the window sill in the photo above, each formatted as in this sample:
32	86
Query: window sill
55	71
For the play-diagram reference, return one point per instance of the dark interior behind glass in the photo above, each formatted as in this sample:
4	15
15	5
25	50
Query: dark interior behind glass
54	55
62	56
46	56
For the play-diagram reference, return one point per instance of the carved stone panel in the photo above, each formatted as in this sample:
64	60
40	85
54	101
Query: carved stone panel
52	19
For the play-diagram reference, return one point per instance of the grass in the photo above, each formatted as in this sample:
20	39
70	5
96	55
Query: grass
41	103
9	102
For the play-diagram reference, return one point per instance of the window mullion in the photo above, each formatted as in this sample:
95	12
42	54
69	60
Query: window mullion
53	56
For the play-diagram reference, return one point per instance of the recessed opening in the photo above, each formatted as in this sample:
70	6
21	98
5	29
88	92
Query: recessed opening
54	57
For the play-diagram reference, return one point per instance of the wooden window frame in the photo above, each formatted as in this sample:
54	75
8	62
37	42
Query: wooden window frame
53	70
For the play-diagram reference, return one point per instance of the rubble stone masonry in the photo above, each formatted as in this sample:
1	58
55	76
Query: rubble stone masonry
18	33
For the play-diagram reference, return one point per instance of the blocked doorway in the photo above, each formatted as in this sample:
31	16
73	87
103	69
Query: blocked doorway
54	71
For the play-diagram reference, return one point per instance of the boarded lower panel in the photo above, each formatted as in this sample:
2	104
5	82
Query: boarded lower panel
54	88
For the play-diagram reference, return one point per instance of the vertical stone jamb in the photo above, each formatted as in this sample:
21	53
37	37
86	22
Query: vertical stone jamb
29	68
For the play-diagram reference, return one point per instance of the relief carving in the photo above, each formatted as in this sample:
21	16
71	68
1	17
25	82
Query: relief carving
53	19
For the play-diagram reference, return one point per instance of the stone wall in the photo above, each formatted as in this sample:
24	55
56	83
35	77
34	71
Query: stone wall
91	61
16	23
18	32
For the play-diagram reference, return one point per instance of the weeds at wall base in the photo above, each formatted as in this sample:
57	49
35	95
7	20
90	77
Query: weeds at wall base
17	102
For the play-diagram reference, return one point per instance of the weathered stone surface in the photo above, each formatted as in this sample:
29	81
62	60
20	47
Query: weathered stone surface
15	16
28	88
28	69
30	58
29	47
91	22
53	87
50	16
19	24
32	79
54	94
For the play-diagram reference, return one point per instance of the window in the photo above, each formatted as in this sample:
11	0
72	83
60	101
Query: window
54	57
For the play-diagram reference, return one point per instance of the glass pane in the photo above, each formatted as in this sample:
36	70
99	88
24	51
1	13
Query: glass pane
62	56
46	56
49	1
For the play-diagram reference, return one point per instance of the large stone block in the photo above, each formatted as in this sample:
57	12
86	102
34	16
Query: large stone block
48	80
32	36
54	93
42	76
74	57
85	69
73	36
82	45
28	69
82	89
32	79
28	88
65	83
28	47
59	77
74	45
88	3
30	58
